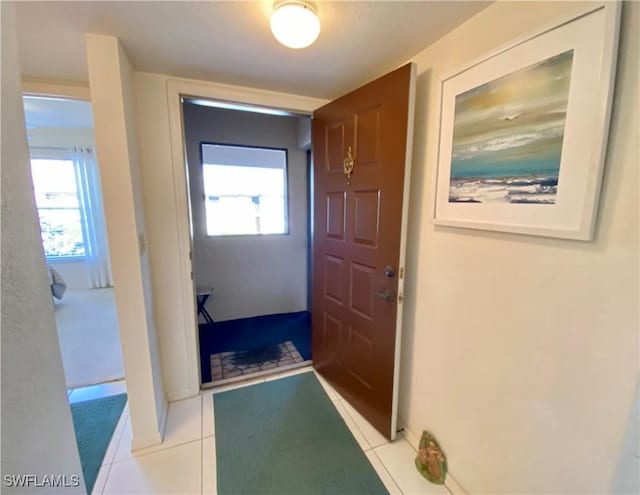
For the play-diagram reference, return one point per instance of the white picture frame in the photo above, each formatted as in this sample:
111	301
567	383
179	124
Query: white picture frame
500	149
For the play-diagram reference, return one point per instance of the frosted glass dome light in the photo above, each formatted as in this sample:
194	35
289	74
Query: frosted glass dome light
295	24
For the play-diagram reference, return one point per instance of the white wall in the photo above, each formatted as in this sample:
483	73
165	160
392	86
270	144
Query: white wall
521	353
37	431
251	275
113	100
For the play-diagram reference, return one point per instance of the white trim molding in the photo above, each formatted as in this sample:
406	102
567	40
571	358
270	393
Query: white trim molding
404	230
154	439
177	89
58	89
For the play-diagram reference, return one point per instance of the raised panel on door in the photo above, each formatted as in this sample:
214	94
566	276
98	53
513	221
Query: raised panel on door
334	147
366	217
368	139
361	290
336	210
333	279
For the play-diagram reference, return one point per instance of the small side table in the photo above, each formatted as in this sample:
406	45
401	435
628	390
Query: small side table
202	295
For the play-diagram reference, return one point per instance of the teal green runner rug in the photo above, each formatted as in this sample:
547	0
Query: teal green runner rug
285	437
94	422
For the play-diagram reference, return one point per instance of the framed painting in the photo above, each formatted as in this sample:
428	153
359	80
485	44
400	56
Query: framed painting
523	132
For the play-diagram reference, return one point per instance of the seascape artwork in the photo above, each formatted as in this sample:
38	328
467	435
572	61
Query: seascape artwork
508	134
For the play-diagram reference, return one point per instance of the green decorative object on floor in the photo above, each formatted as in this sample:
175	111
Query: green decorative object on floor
431	461
286	437
95	421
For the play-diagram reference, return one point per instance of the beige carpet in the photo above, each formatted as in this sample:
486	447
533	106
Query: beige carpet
89	338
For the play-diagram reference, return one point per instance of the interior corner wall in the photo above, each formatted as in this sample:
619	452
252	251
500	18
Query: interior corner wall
131	127
304	133
34	395
114	109
521	353
251	275
159	198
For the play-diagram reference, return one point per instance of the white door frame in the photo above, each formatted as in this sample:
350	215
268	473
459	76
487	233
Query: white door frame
176	89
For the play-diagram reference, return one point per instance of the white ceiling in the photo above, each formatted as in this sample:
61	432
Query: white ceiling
231	42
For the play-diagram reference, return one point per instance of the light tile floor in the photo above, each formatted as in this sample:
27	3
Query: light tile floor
185	462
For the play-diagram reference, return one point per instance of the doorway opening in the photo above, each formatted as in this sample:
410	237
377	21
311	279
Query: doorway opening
69	203
247	177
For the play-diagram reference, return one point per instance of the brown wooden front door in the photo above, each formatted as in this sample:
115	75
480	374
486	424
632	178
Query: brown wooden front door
357	248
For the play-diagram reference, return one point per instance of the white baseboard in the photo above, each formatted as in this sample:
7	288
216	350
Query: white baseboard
183	393
409	436
453	486
414	440
162	424
143	442
152	439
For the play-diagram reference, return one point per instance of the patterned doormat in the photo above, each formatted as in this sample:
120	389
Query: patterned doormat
239	363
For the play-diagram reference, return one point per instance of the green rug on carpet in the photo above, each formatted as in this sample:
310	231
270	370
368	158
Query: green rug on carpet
95	421
286	437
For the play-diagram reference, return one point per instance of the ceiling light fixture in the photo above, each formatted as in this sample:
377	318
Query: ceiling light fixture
295	23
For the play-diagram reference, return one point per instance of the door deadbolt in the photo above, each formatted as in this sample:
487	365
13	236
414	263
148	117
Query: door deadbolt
389	271
385	295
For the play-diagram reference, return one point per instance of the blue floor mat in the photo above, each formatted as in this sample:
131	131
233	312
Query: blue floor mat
94	422
254	333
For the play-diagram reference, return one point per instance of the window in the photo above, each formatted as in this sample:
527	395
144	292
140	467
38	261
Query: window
56	193
245	190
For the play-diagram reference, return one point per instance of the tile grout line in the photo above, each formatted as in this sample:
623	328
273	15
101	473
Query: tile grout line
360	430
202	465
123	418
342	400
106	479
384	466
156	450
372	449
201	443
355	425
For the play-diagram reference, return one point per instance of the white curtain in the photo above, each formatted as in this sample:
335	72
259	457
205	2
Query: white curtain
92	211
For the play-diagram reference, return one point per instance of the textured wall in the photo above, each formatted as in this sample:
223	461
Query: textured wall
37	432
